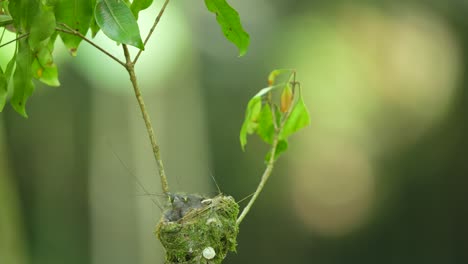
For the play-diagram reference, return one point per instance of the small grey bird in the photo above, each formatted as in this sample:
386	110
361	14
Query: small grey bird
181	204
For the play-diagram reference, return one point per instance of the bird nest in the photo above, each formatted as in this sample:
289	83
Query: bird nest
195	229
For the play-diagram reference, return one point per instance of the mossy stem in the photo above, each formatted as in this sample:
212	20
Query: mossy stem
130	66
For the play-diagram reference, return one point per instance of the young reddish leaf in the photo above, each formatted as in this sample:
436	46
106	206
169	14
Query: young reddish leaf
286	99
272	76
230	23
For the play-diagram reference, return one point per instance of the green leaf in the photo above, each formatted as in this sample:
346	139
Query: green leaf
76	14
42	27
299	118
23	12
230	23
250	122
6	81
47	75
138	5
93	25
118	23
22	78
252	114
43	67
265	128
5	20
281	147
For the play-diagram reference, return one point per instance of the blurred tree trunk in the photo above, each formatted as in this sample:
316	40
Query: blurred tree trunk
12	244
48	156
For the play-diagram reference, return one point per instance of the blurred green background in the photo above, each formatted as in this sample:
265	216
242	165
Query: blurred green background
379	177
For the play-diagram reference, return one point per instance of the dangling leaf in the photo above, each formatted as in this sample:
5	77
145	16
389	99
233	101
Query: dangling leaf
118	23
43	67
22	12
265	128
230	23
299	118
138	5
42	27
250	122
286	99
253	113
76	14
22	78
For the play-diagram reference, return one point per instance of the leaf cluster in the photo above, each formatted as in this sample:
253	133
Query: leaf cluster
275	120
38	23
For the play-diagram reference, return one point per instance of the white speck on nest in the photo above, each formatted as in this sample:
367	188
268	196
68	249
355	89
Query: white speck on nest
209	253
207	201
210	220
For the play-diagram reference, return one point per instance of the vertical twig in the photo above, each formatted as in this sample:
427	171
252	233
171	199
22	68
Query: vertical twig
156	21
129	65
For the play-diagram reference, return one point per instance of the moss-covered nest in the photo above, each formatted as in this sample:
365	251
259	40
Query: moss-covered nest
198	230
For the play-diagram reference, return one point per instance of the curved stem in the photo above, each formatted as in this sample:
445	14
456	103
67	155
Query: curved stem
129	65
265	176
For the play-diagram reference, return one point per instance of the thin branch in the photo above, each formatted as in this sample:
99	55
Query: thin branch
76	33
156	21
3	33
265	176
14	40
129	65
